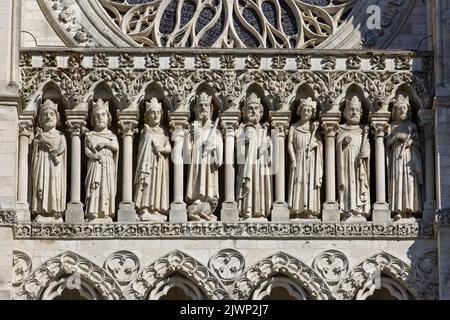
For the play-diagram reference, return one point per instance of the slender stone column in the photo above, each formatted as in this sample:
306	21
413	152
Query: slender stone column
330	127
229	123
26	124
128	122
75	123
179	121
280	123
379	122
426	122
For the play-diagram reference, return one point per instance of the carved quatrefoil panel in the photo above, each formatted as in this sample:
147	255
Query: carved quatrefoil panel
332	265
227	265
123	266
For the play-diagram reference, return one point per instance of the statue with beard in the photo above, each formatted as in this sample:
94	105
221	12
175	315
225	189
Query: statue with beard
204	146
102	150
49	167
353	163
254	156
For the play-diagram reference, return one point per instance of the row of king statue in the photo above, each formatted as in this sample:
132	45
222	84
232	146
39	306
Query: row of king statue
203	152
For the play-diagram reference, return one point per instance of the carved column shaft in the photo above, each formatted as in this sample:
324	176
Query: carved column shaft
179	124
75	129
25	137
280	122
426	121
128	128
128	122
330	127
229	123
379	122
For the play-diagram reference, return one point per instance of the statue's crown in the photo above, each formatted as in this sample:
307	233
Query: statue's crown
308	102
101	105
252	98
204	97
49	104
353	101
401	99
153	103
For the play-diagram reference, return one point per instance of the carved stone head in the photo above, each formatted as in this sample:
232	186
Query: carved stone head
307	109
203	107
253	109
153	113
101	117
49	116
401	108
353	110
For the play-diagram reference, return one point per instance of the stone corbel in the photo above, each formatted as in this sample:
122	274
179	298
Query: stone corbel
280	124
128	122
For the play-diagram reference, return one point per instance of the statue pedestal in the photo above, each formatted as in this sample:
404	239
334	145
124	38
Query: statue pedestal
74	213
429	212
127	213
280	212
381	212
229	212
331	213
178	212
23	212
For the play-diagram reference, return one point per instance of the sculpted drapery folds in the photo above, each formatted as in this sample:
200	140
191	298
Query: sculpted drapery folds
102	150
49	163
353	164
152	172
254	157
306	153
204	147
404	162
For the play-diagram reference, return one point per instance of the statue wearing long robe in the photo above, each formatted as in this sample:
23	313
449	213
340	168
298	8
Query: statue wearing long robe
353	163
254	180
404	169
49	174
152	171
101	178
305	179
203	173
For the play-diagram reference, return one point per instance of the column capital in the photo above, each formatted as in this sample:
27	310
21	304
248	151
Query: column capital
76	121
229	121
26	126
280	120
128	122
379	123
179	120
330	123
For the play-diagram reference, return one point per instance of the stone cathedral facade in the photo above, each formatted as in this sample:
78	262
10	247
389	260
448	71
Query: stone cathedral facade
225	149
